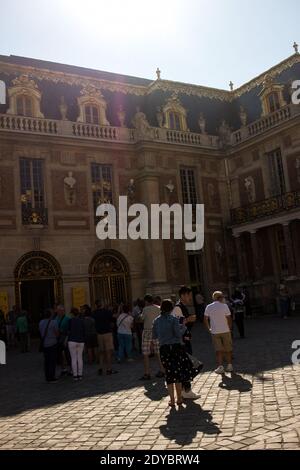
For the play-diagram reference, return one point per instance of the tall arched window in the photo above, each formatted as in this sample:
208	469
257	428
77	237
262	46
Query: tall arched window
175	121
271	96
24	98
24	105
92	106
273	101
91	114
175	114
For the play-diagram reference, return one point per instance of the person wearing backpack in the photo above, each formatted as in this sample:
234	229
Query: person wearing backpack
124	325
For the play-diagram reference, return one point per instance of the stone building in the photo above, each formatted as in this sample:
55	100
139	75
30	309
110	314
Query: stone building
71	138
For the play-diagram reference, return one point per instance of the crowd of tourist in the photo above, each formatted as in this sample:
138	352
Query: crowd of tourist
151	326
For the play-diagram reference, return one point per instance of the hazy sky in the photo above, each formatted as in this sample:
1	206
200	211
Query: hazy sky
195	41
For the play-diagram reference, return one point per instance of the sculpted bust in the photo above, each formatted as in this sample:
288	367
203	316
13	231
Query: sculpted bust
69	189
250	188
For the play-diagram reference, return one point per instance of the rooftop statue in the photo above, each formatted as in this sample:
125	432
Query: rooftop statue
202	123
141	124
121	116
243	116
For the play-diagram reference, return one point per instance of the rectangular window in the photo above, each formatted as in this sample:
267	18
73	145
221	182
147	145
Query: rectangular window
32	191
188	186
101	184
276	172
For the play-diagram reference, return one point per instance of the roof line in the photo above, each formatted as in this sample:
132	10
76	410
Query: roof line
152	84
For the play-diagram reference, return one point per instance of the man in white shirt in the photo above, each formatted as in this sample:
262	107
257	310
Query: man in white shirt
218	321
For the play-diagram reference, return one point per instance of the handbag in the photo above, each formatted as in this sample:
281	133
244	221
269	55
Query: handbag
41	347
195	362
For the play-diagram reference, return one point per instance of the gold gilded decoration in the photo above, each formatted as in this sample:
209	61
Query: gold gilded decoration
25	88
142	90
266	208
24	81
91	91
109	277
78	297
188	89
4	302
38	265
91	95
34	216
72	79
173	105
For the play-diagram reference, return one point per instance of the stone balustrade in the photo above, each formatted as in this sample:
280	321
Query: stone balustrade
187	138
28	124
109	133
265	123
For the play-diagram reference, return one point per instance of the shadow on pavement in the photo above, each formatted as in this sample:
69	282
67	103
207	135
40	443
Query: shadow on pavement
183	424
267	347
235	382
155	389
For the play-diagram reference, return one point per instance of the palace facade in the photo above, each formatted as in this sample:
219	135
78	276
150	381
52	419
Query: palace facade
71	138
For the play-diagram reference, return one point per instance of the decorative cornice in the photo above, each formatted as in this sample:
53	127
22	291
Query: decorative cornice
25	82
272	73
142	90
189	89
72	79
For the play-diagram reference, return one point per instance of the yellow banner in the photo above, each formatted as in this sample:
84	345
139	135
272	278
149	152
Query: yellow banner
4	302
78	296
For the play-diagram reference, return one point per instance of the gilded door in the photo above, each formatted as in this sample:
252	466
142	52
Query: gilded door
109	278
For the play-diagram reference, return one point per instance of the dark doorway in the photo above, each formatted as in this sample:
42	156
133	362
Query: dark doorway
36	296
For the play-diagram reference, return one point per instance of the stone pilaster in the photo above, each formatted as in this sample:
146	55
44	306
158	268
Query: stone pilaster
289	249
256	261
240	264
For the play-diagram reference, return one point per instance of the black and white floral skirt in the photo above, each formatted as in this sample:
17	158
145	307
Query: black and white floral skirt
177	364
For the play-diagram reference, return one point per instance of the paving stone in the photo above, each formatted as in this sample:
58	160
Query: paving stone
258	408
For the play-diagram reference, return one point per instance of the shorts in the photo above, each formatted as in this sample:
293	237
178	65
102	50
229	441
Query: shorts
147	342
222	342
105	342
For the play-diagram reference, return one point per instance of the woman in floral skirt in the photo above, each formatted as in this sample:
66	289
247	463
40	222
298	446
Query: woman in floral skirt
177	364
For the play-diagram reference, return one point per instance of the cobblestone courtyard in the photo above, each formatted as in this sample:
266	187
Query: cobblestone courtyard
257	408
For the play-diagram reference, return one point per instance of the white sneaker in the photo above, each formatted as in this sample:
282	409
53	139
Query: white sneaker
229	368
190	395
220	370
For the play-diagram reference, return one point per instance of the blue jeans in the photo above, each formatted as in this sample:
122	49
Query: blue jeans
125	345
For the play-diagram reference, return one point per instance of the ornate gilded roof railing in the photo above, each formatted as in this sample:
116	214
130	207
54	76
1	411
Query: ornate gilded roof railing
266	208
